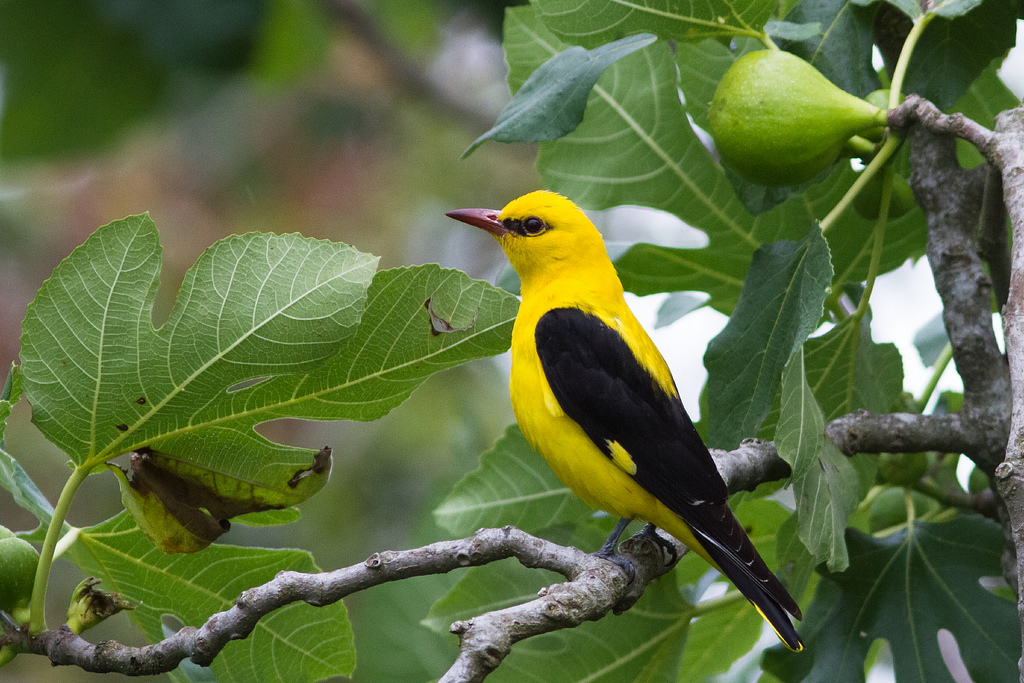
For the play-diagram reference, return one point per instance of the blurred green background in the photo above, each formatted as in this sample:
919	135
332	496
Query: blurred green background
338	119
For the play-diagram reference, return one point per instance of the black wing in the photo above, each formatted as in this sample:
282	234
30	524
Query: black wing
603	387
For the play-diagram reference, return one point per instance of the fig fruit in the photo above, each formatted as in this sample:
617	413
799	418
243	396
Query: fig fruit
777	120
868	200
902	468
18	561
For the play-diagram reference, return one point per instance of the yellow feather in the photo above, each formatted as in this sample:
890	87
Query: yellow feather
567	266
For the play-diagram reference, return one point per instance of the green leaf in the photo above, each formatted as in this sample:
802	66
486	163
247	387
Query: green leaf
102	380
842	51
295	643
269	517
930	340
512	485
718	639
788	30
848	371
904	588
10	393
265	327
719	269
780	306
701	66
986	97
824	481
912	8
953	8
551	102
26	494
675	306
795	563
590	24
952	53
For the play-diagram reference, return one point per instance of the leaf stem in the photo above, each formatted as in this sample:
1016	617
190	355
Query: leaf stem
941	363
899	73
37	619
908	501
879	243
888	148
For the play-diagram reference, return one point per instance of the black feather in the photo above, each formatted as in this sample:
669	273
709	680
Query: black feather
604	388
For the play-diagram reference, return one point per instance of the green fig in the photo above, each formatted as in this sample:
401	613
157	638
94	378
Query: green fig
902	468
868	200
18	561
777	120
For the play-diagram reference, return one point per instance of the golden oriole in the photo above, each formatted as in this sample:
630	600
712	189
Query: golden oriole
594	396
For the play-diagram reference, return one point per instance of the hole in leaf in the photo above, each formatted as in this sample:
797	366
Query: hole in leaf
247	384
951	656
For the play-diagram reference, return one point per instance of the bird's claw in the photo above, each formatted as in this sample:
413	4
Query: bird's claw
614	558
650	531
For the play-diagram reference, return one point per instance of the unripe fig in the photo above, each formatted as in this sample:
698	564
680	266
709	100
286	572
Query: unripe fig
879	98
18	561
777	120
902	468
901	200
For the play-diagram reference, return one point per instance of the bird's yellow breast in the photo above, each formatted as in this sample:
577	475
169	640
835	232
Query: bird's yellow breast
602	482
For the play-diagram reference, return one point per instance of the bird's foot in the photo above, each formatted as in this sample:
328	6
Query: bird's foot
650	531
607	551
609	554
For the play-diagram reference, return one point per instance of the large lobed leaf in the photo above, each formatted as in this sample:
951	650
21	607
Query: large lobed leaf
905	588
265	327
295	643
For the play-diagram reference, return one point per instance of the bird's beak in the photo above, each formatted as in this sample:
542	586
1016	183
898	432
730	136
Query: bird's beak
485	219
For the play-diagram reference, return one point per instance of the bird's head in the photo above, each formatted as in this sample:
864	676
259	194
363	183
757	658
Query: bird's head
543	234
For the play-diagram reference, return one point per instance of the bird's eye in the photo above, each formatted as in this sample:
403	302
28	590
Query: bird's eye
533	225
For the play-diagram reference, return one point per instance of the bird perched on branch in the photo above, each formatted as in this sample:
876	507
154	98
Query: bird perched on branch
593	394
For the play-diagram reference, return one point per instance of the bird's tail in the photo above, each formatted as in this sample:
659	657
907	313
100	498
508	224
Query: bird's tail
741	564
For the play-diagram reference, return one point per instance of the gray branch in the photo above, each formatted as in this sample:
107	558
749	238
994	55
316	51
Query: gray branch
1004	150
1007	154
594	587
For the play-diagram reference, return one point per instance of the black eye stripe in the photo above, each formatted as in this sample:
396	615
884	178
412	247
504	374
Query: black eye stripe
526	227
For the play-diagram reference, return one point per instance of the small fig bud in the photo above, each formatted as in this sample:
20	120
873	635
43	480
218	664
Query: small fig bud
18	559
869	199
777	120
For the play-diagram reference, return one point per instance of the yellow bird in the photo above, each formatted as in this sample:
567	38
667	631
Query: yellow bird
594	396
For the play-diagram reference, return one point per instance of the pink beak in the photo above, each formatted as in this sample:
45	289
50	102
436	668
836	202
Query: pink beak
485	219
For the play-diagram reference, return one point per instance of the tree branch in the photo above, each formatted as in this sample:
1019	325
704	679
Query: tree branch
1007	154
952	201
594	588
